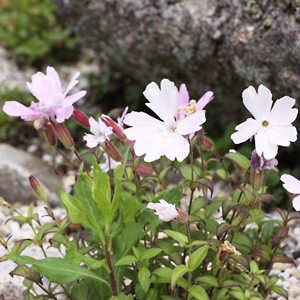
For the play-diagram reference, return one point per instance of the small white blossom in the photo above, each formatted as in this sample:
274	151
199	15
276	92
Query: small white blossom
272	125
100	133
165	211
292	185
156	138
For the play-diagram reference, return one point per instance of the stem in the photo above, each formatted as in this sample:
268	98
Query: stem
112	279
81	161
157	175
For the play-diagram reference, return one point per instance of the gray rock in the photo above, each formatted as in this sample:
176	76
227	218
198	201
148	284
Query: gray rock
223	46
15	168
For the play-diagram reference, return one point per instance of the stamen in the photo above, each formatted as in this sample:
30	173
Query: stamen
173	129
265	123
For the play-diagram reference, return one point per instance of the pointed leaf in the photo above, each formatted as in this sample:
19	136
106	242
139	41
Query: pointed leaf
212	281
207	183
20	245
281	212
222	228
151	253
179	237
177	273
144	278
197	257
279	290
126	260
227	206
198	292
283	259
26	272
239	159
264	197
199	203
244	261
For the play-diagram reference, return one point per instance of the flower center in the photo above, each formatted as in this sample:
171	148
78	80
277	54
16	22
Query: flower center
172	129
189	108
265	123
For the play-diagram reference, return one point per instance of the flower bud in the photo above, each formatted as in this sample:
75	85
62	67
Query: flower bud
256	173
182	215
80	118
50	134
115	127
207	144
144	170
111	150
37	188
165	211
63	134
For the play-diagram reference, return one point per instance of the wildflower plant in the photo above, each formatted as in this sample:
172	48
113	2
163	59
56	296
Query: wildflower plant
140	239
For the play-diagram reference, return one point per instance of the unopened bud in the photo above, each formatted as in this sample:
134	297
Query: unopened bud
37	188
182	215
207	144
256	173
80	118
115	127
111	150
50	134
63	134
144	170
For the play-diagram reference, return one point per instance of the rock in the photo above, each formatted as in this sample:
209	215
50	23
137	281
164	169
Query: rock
15	168
294	290
223	46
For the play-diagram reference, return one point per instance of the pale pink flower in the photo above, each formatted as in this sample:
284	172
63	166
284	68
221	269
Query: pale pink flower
120	120
156	138
100	133
292	185
183	100
54	104
272	125
165	211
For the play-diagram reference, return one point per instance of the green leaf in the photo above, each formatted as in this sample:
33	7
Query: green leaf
212	281
222	228
119	170
173	196
198	292
177	273
152	294
179	237
199	203
126	260
75	209
239	159
213	206
56	269
253	267
197	257
144	278
279	290
20	245
130	209
80	291
165	246
117	199
28	273
151	253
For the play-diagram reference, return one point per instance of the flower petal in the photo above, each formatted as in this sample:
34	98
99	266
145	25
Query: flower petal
296	203
282	135
191	123
204	100
69	100
176	146
72	83
282	112
63	113
91	140
16	109
259	104
245	131
163	102
52	72
290	183
264	146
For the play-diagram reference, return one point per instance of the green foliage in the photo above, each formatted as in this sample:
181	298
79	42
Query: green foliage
30	29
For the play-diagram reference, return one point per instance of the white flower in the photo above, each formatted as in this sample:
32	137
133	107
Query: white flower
292	185
100	133
109	163
156	138
164	210
272	125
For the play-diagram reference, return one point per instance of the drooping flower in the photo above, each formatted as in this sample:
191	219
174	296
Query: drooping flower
156	138
165	211
185	106
292	185
109	163
100	133
272	125
54	104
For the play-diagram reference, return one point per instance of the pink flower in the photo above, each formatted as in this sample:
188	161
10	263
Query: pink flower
100	133
292	185
54	104
184	104
165	211
156	138
272	125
